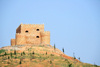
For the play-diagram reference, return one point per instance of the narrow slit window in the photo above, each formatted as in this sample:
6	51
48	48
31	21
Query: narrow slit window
26	31
37	29
37	36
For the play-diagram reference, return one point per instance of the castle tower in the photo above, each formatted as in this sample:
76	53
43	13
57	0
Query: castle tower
31	34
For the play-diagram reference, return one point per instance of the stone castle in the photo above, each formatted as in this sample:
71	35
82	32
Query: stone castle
31	34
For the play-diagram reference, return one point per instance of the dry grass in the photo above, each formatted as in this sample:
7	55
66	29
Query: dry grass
53	58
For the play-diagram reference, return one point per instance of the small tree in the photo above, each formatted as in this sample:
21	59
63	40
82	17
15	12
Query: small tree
11	54
24	53
33	53
70	65
46	53
14	52
15	57
20	62
21	54
63	50
79	58
66	60
5	54
95	65
50	62
8	57
74	55
54	47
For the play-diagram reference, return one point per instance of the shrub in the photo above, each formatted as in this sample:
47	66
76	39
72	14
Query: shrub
95	65
5	54
1	51
15	57
11	54
63	50
21	54
70	65
52	54
66	60
14	52
8	57
8	62
54	47
1	55
20	62
33	53
50	62
74	57
35	61
79	58
46	53
24	53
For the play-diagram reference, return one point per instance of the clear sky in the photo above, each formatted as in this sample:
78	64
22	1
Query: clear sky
73	24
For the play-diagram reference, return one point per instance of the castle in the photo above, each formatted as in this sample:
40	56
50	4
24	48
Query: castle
31	34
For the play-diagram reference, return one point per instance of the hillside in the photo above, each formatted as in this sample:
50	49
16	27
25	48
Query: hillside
37	56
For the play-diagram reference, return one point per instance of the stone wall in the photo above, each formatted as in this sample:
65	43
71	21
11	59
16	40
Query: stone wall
33	34
12	42
45	37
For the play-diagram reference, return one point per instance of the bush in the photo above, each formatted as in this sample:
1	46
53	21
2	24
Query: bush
1	55
95	65
70	65
11	54
15	57
52	54
14	52
1	51
20	62
33	53
8	62
54	47
74	57
5	54
46	53
50	62
8	57
21	54
24	53
63	50
66	60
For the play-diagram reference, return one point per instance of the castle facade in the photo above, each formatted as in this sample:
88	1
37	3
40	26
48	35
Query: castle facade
31	34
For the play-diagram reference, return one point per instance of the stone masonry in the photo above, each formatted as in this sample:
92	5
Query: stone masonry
31	34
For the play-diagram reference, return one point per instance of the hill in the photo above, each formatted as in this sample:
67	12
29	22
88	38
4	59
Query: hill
37	56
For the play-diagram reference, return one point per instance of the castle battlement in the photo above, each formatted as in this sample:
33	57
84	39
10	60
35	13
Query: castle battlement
46	32
33	24
31	34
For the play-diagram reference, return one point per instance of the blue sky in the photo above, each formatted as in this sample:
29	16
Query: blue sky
73	24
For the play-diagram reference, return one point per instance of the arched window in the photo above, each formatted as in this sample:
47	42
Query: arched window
26	31
37	36
37	29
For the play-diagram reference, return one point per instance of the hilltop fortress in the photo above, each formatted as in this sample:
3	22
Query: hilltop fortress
31	34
